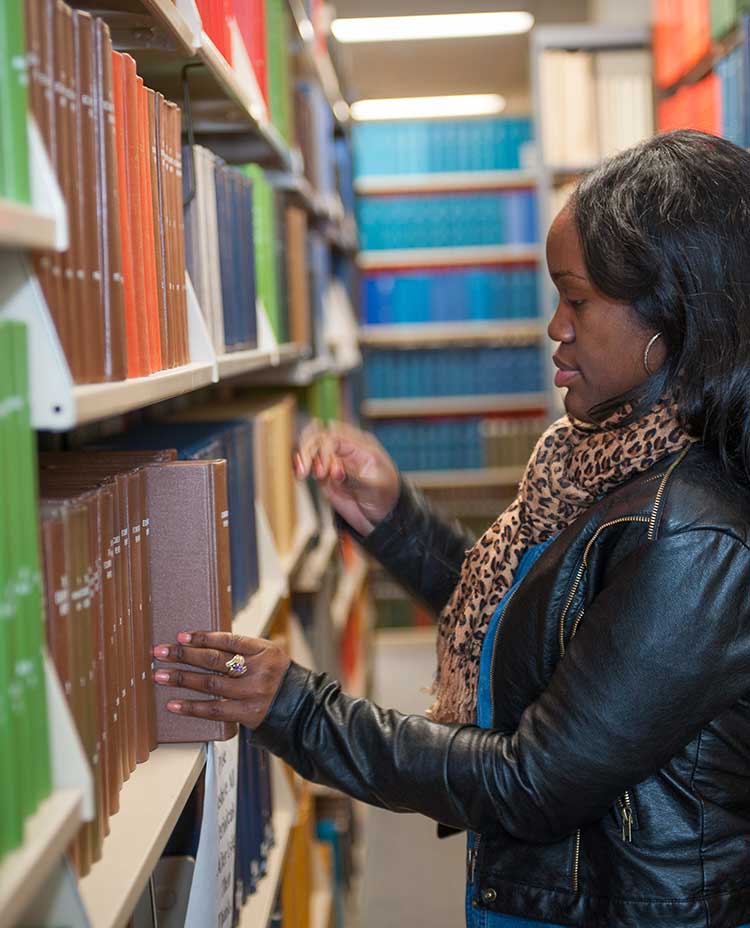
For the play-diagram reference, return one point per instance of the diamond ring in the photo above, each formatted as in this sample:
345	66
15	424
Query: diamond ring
236	666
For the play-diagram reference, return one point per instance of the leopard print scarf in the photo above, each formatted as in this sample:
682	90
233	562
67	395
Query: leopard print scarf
573	463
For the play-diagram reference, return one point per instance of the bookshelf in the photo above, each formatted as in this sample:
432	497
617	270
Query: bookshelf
551	174
449	181
479	477
230	117
448	257
428	334
454	405
150	804
350	585
22	226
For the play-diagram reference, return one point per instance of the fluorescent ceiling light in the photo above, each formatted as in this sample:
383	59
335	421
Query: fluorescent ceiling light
472	104
445	26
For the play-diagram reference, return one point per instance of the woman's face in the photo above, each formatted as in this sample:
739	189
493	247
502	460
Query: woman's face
602	341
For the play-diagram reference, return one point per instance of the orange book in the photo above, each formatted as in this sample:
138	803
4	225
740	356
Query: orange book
128	273
139	332
151	300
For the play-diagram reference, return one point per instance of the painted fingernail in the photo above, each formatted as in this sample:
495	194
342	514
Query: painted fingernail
174	706
184	637
161	676
161	651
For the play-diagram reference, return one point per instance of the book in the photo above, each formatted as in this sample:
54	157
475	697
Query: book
14	160
190	573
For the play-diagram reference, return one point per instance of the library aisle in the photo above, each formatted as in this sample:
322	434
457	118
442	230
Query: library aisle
220	222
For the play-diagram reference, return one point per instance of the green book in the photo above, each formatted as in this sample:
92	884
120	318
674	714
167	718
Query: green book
30	593
11	715
14	103
264	233
277	32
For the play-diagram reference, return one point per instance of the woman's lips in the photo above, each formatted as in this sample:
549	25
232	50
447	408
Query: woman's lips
563	378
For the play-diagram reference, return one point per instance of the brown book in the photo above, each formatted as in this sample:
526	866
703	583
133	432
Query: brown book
110	248
298	275
90	315
169	229
190	581
63	269
157	221
147	232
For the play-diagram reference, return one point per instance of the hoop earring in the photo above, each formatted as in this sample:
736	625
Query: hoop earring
646	352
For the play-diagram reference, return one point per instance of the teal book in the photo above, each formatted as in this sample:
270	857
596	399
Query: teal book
15	183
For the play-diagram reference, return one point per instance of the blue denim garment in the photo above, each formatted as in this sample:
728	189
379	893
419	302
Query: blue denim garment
481	918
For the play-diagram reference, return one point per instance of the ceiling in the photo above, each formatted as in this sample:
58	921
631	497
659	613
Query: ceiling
482	65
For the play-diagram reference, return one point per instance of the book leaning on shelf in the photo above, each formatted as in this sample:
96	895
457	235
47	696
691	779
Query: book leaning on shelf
24	748
117	295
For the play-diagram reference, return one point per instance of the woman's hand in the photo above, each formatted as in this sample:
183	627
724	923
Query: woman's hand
354	470
246	698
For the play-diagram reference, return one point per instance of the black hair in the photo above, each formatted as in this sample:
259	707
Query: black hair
665	227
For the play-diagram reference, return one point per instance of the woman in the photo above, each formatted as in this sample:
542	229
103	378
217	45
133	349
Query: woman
591	728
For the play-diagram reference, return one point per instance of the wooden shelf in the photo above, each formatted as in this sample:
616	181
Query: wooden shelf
454	405
452	257
349	587
47	834
480	477
237	363
101	400
450	181
258	908
150	804
421	334
21	226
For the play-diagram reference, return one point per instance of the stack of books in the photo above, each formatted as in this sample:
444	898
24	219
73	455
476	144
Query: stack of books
14	165
117	296
24	750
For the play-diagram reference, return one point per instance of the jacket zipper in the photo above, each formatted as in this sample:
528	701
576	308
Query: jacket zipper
626	813
660	492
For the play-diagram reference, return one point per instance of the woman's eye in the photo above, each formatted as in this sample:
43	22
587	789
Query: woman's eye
576	304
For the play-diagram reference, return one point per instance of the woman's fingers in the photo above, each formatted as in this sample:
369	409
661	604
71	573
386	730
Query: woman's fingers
220	710
214	684
209	650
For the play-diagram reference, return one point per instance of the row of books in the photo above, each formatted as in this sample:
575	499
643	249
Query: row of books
246	244
14	143
456	443
450	294
142	539
593	104
440	145
733	71
313	122
684	30
694	106
254	823
401	372
117	296
24	751
135	545
447	220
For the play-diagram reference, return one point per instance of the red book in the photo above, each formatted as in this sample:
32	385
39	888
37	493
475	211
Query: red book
251	20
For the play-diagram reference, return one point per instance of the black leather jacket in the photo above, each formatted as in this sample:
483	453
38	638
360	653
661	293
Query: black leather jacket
614	788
